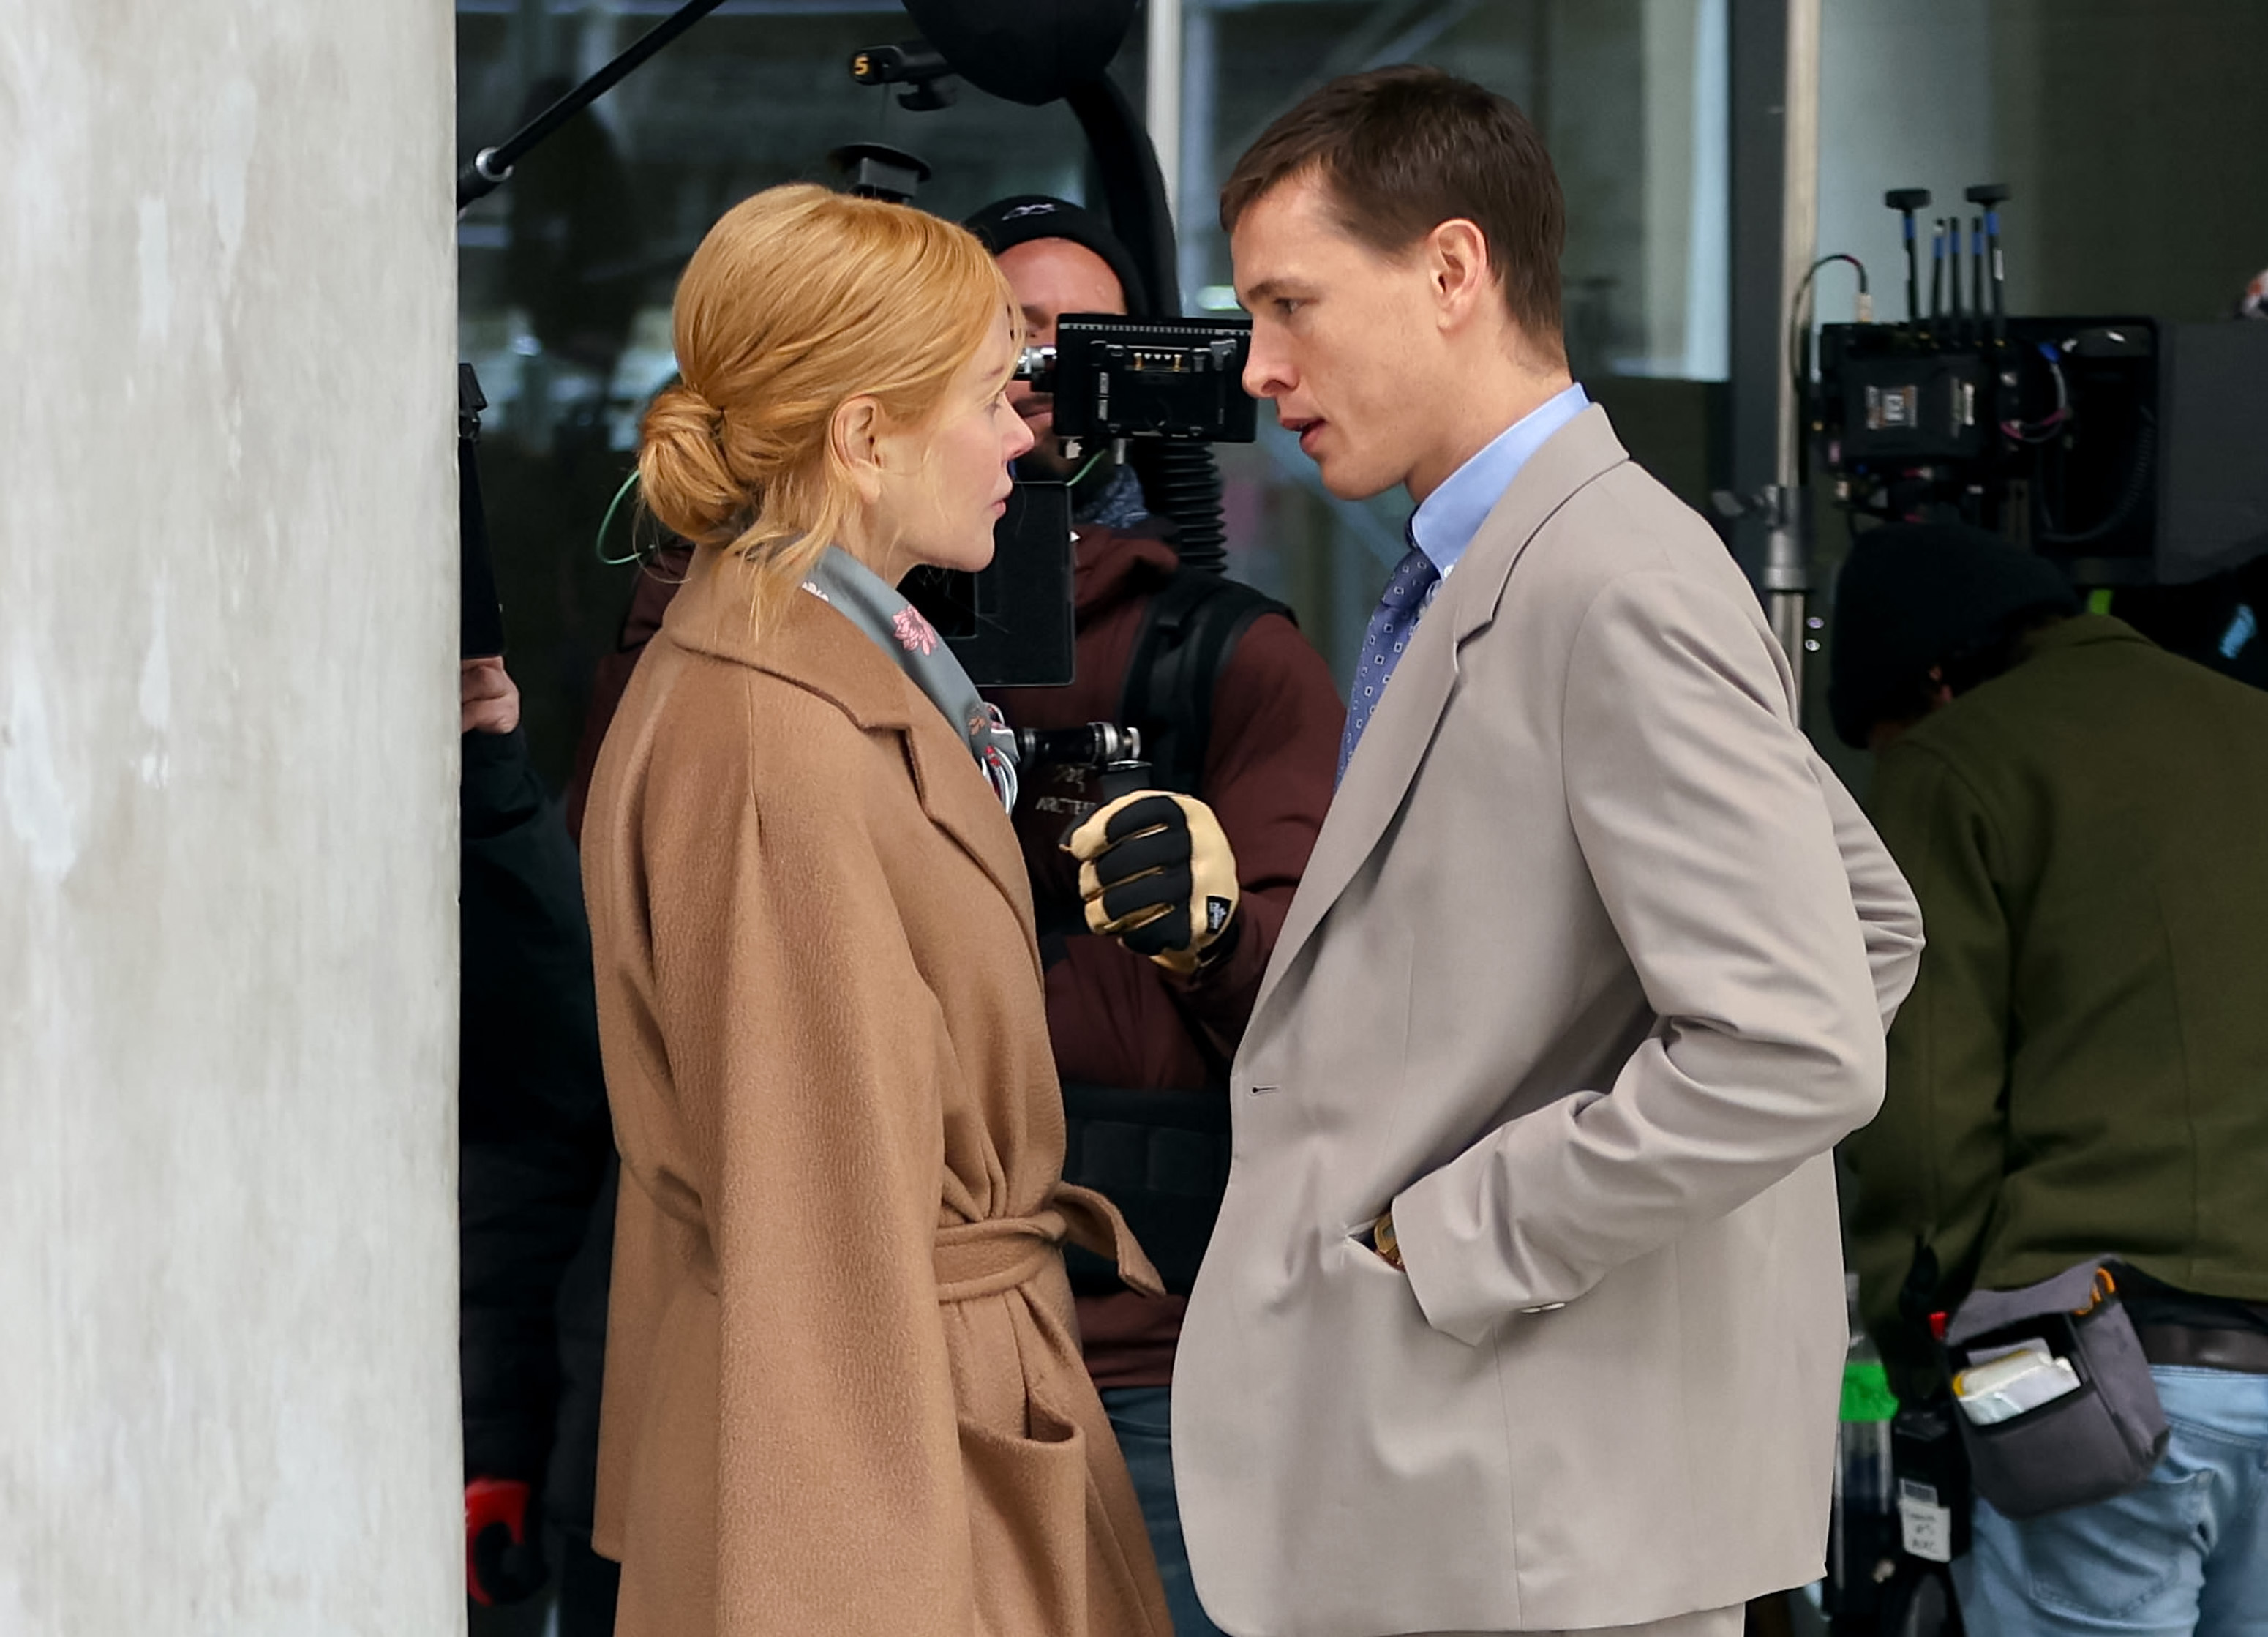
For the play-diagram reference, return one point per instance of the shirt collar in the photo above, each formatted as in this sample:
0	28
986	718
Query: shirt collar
1445	524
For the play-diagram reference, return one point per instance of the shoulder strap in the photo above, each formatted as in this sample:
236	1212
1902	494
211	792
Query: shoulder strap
1188	631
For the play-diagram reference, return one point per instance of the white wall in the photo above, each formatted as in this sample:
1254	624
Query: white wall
227	849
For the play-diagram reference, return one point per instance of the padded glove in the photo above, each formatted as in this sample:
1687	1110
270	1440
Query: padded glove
1156	874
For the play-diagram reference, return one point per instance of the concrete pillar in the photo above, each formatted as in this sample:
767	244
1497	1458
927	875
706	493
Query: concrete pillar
228	1398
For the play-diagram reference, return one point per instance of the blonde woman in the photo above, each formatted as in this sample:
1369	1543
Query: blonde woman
843	1395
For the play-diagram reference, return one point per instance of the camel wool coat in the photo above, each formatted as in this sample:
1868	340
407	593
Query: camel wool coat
843	1393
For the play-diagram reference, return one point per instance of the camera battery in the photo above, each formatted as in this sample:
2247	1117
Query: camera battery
1914	407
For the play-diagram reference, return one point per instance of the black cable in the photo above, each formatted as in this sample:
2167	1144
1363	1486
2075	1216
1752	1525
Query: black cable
492	165
1799	328
2137	483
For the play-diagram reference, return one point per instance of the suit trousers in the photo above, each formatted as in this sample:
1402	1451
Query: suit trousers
1707	1622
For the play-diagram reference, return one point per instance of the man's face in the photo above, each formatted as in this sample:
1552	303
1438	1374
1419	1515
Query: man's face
1053	277
1343	339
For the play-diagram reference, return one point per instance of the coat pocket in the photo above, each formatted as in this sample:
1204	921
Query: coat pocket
1028	1523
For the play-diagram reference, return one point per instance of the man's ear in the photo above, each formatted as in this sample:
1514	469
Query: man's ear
855	434
1457	264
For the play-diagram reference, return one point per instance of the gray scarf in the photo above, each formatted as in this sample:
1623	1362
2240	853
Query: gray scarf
897	628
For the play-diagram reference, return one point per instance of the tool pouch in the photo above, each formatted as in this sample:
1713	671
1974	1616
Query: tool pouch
2094	1441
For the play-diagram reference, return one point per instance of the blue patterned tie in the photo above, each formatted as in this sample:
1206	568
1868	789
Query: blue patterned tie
1391	627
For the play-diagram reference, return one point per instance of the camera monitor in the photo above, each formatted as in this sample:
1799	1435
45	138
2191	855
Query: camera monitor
1173	379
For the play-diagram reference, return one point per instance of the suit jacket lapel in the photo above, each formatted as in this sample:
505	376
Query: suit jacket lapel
1395	743
813	646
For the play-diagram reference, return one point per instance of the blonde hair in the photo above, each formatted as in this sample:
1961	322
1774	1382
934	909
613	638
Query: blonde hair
799	299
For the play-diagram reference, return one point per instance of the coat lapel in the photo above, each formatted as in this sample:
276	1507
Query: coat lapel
811	645
1403	728
960	802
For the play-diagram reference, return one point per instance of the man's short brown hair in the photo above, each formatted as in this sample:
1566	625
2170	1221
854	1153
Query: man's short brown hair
1400	150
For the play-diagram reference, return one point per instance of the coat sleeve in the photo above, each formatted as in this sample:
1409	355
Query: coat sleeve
1268	768
1712	847
1929	1168
809	1055
1888	917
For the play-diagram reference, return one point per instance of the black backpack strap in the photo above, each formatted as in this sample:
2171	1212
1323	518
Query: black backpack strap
1189	633
1161	1157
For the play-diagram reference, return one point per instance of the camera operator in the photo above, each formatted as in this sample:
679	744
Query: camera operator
1166	1020
1161	1009
534	1146
2082	1066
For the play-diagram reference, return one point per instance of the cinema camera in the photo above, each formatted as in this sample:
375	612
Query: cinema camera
1113	379
1170	382
2129	450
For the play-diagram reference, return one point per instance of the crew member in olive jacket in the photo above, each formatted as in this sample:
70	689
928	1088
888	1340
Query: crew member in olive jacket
2082	1066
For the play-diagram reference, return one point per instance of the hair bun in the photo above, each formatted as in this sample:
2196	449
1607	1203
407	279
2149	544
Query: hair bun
683	469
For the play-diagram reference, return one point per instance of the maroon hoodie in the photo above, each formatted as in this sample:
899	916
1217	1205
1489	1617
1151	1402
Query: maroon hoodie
1116	1018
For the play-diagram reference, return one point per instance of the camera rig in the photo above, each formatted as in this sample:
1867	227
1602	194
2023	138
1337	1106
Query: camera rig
2131	451
1167	380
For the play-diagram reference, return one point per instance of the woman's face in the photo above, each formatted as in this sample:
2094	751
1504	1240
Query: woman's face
944	486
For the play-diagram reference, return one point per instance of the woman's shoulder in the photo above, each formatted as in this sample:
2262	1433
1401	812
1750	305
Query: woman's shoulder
805	721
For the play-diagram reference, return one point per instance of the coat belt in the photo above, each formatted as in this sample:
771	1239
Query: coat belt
983	1258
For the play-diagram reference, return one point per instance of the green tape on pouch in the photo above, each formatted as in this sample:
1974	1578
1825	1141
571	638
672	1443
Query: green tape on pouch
1867	1395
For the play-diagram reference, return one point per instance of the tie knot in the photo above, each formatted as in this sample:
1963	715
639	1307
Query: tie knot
1413	577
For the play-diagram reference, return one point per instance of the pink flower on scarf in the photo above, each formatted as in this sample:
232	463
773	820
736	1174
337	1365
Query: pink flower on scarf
914	634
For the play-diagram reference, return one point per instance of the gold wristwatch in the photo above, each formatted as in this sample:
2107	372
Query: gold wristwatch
1383	1241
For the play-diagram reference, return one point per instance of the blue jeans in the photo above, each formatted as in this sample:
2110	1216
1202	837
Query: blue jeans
2185	1553
1142	1418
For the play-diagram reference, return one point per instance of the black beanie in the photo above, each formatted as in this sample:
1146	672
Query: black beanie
1007	222
1915	595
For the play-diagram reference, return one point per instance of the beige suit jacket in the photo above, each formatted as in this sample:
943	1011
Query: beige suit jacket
1589	971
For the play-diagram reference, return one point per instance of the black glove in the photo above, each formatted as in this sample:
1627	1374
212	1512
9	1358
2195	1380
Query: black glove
1157	873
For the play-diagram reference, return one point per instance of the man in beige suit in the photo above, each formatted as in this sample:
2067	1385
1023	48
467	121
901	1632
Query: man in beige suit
1524	1310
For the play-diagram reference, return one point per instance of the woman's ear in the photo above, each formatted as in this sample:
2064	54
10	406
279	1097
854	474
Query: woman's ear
855	434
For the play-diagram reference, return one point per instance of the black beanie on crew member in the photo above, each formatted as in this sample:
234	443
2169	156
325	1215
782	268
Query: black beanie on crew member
1007	222
1915	595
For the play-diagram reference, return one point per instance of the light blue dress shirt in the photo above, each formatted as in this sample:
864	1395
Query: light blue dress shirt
1445	524
1439	532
